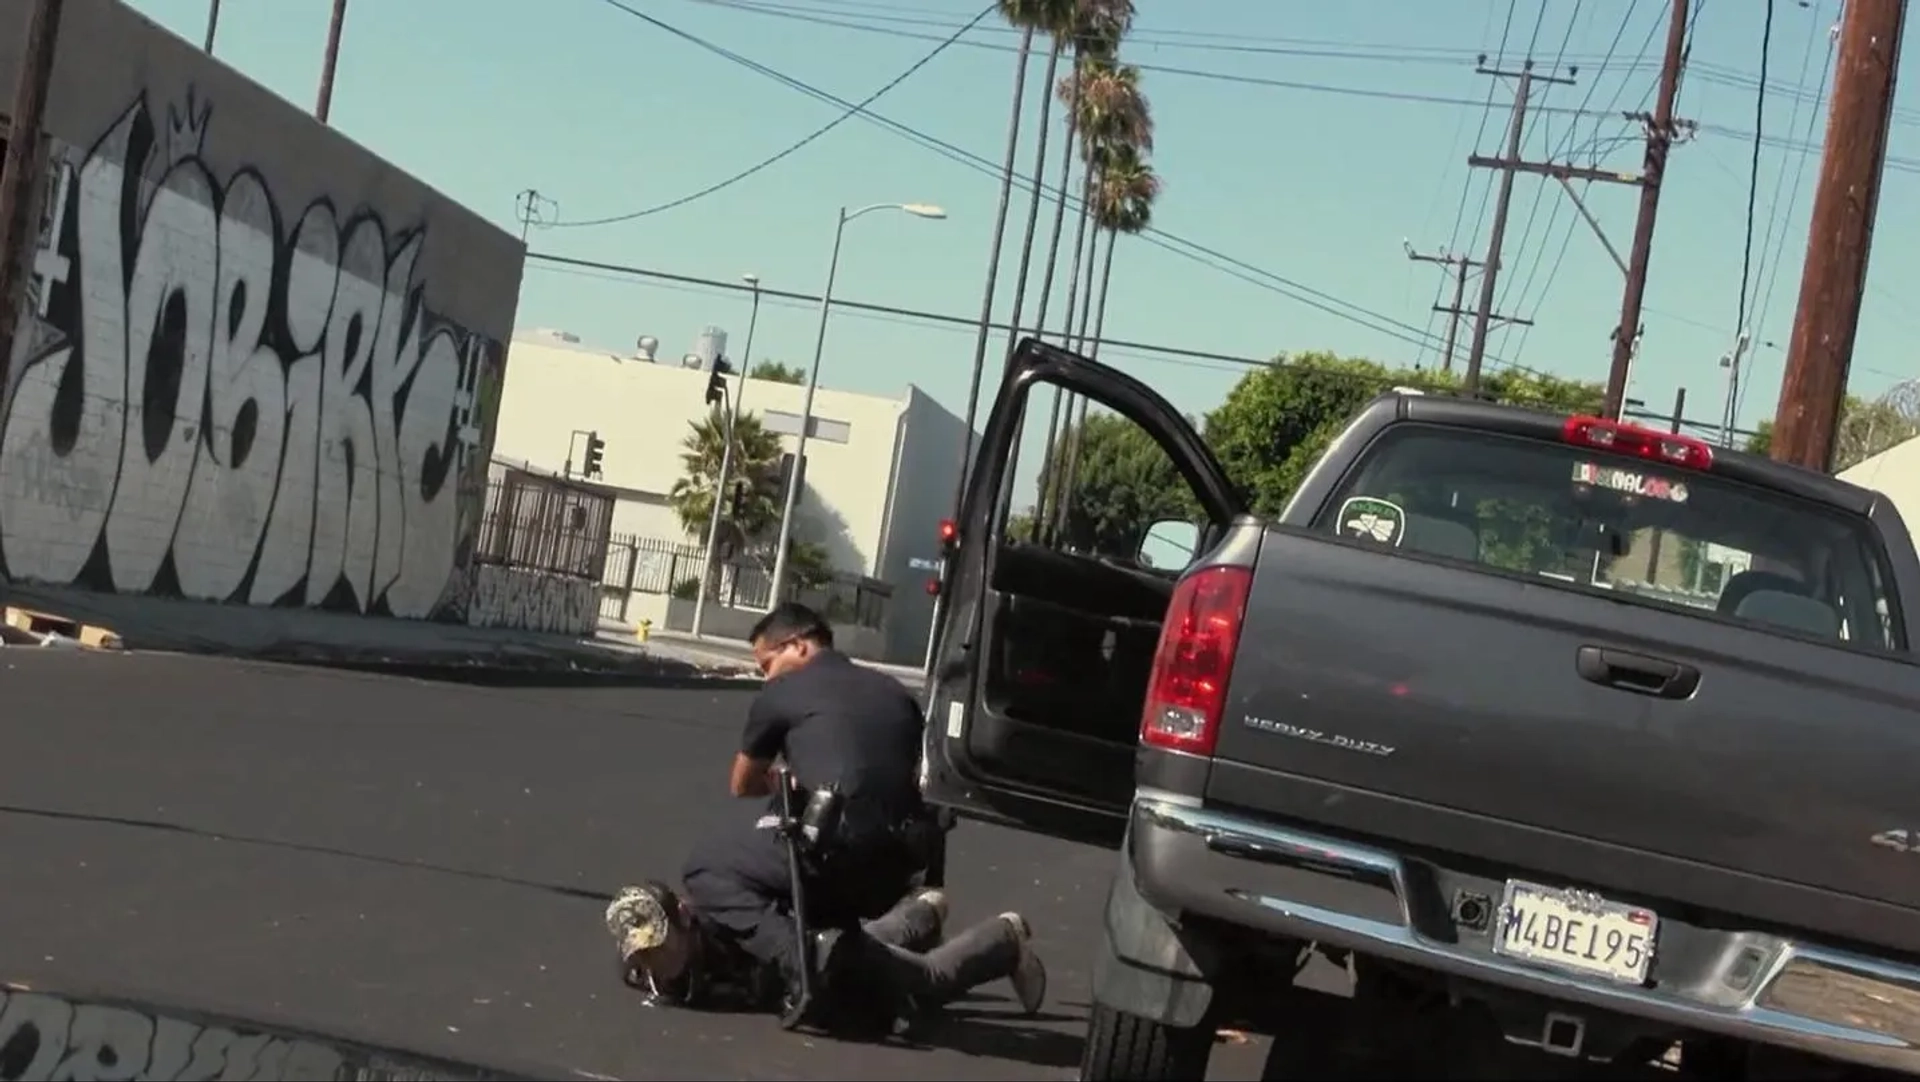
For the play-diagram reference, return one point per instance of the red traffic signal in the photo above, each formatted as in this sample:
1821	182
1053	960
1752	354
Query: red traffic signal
949	533
933	587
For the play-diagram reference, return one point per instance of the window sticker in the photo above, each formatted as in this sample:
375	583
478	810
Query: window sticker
1629	481
1372	519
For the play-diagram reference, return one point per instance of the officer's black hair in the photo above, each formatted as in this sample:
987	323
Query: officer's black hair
792	620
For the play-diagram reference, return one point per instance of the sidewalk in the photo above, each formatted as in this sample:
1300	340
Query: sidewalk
403	647
712	651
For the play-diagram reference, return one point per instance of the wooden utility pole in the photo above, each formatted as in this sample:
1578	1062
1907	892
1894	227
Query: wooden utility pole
1840	235
21	168
332	59
1483	317
1661	133
1459	267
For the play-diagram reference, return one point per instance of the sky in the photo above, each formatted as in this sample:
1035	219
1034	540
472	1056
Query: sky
1302	143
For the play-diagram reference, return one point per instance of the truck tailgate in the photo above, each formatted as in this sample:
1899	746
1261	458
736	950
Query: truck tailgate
1462	691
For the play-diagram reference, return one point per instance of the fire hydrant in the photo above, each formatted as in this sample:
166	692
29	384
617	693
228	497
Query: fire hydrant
645	629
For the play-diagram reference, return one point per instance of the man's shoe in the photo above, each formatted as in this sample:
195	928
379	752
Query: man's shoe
1029	977
935	899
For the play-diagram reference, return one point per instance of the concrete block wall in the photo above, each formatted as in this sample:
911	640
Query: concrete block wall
256	364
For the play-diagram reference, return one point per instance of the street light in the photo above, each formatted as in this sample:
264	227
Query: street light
918	210
731	416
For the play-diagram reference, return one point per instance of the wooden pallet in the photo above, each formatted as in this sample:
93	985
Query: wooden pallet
43	623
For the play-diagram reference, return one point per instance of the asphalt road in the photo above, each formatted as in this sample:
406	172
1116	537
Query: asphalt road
424	865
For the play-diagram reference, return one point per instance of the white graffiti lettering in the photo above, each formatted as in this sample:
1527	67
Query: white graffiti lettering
49	1037
533	600
45	1037
224	408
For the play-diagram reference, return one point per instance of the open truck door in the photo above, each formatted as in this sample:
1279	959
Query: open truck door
1042	657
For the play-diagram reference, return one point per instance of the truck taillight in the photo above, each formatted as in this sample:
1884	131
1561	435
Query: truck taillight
1636	442
1188	690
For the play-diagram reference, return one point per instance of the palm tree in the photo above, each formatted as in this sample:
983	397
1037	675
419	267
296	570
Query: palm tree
756	461
1128	189
1095	34
1030	16
1124	205
1112	113
1094	31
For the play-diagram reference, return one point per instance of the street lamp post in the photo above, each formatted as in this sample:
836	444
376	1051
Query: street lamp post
731	416
918	210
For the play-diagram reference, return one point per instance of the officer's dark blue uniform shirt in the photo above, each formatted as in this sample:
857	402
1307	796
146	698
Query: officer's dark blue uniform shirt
845	725
840	724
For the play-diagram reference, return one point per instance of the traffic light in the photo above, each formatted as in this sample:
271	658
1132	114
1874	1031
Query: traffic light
738	505
717	382
596	450
949	535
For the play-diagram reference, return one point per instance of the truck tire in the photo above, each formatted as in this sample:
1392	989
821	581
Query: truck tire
1124	1047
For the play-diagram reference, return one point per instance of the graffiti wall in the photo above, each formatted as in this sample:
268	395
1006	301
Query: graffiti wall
534	600
46	1037
256	365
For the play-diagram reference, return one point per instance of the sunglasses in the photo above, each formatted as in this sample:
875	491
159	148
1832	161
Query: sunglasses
765	656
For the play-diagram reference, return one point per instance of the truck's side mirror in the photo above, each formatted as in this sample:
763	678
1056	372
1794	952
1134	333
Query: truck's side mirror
1169	545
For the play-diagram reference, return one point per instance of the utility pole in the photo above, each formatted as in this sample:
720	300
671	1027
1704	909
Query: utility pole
1459	267
1483	317
213	23
1840	235
1662	132
21	167
1660	138
332	59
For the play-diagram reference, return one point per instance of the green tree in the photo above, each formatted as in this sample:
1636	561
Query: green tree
775	372
1123	482
1866	429
1278	420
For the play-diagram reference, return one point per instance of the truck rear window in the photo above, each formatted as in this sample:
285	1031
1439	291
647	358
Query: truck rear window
1660	535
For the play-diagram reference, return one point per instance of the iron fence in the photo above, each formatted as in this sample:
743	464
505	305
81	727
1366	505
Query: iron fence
545	524
651	565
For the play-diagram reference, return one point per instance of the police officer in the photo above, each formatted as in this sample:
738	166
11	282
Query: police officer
840	724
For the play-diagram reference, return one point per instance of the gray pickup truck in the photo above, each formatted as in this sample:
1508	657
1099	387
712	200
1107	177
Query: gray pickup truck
1586	736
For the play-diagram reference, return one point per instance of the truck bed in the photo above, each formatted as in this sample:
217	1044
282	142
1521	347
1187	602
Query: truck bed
1445	708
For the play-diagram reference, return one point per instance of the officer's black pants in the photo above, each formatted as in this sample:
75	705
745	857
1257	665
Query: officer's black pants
739	880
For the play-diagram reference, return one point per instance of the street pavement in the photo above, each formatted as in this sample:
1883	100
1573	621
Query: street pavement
424	864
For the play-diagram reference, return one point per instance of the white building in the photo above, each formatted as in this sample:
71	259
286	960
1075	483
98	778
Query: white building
1896	472
879	476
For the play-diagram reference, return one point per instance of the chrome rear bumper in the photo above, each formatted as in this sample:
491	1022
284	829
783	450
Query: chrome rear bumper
1188	860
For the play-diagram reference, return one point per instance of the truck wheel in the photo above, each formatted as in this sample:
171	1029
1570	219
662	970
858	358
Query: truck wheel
1122	1046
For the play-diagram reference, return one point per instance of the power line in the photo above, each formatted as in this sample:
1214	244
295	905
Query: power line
945	321
1206	256
1159	69
1753	171
1376	52
1540	190
1596	149
810	137
1799	182
1466	187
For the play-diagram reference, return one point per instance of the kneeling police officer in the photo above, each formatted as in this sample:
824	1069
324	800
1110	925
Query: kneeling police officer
849	738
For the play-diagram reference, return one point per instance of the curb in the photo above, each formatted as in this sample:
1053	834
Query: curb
511	670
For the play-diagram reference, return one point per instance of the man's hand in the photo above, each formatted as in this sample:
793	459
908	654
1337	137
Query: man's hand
750	777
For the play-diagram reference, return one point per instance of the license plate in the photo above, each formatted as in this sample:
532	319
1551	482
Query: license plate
1577	932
